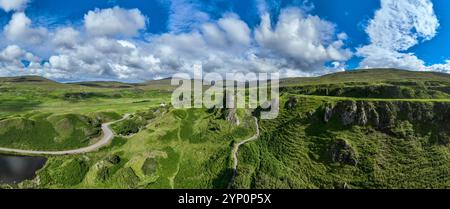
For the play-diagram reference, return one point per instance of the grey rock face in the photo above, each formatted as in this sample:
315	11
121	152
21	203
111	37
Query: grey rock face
361	115
291	103
349	110
231	116
398	118
328	114
342	152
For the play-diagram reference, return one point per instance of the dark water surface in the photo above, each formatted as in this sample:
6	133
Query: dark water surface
15	169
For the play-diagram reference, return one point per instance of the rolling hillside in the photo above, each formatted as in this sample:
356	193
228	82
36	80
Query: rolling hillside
379	128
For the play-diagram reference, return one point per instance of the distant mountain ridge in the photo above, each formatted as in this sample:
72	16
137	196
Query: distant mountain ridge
359	75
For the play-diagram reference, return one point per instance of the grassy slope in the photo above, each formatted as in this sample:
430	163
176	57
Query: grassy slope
39	114
22	95
184	149
177	150
48	132
294	150
379	84
369	76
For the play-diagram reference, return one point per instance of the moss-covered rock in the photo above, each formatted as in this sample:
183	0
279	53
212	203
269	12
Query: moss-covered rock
341	152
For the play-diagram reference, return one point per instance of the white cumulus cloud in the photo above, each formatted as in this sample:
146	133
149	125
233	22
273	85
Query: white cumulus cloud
20	29
443	68
66	37
306	40
13	5
11	58
399	25
185	15
298	43
105	47
396	27
114	22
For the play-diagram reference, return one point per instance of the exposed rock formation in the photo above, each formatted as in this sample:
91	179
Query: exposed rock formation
348	115
399	118
291	103
328	113
385	114
231	116
342	152
113	159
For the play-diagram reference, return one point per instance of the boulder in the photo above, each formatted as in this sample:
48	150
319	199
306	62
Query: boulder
328	114
113	159
231	116
291	103
342	152
349	113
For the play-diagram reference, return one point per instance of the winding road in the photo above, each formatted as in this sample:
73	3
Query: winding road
235	150
105	139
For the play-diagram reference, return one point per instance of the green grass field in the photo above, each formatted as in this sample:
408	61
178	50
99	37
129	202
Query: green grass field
363	129
165	154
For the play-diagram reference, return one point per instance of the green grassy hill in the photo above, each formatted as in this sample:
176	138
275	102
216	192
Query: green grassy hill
370	76
48	132
320	143
362	129
375	83
379	128
178	149
25	79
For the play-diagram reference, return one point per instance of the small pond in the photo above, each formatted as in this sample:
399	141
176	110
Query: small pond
15	169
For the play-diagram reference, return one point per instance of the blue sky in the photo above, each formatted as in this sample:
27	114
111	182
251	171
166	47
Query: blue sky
136	40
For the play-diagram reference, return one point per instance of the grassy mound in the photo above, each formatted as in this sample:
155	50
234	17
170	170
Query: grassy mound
48	132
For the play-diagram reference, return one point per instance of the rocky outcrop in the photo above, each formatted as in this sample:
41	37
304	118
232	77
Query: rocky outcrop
352	113
400	90
327	114
349	110
291	103
391	117
384	114
231	116
113	159
342	152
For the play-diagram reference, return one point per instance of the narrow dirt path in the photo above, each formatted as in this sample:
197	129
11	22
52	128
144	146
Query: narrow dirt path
235	151
105	139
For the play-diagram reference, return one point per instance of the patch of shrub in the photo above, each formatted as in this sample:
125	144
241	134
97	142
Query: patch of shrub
83	95
71	173
150	166
113	159
130	126
126	178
